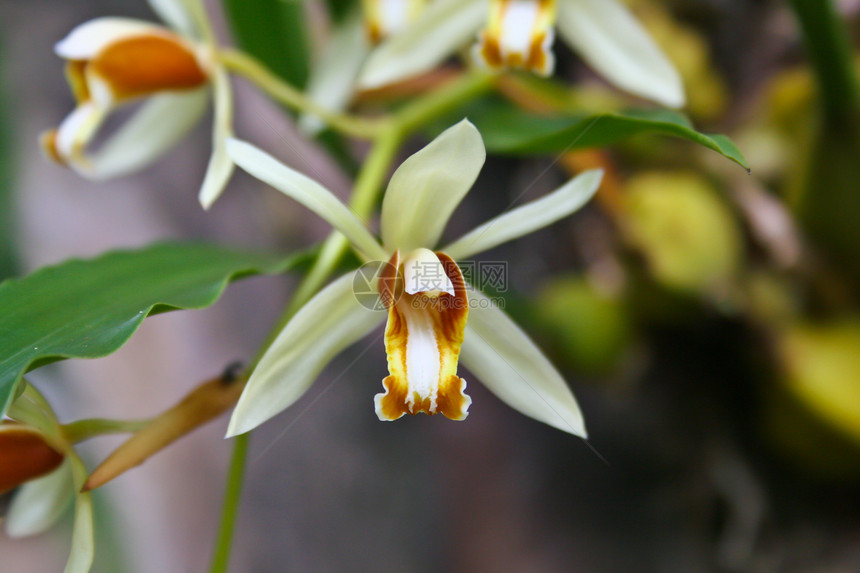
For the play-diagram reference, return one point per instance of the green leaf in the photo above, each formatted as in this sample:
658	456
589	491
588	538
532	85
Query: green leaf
90	308
509	130
274	32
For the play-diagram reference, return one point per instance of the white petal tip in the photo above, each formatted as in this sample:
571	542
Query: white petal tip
89	38
671	95
235	429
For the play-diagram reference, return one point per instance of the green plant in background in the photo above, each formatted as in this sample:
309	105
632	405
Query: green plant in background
825	197
677	240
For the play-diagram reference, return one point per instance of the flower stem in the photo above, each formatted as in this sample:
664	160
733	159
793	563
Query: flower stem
444	100
364	197
82	430
255	72
224	541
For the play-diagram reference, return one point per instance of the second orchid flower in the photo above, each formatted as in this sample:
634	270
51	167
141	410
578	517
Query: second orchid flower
112	62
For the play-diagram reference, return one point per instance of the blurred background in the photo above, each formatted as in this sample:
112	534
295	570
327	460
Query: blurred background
707	320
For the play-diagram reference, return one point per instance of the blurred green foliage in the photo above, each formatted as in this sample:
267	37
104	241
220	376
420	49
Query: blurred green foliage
688	236
823	370
827	200
588	326
275	32
338	9
8	260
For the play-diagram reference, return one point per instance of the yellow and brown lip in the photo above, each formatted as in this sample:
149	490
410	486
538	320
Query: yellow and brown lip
424	332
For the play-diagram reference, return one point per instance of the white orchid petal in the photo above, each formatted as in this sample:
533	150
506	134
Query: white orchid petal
83	549
88	39
160	122
75	133
512	367
175	14
611	40
332	81
528	218
443	27
307	192
326	325
39	504
220	166
428	186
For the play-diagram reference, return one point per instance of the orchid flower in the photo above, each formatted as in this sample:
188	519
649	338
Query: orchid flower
434	317
520	33
115	61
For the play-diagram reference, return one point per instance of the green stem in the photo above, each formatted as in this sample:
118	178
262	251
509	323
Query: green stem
82	430
224	541
364	197
829	48
255	72
443	101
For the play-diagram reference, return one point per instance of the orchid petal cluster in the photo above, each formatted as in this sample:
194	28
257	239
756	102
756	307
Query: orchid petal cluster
434	318
112	62
520	33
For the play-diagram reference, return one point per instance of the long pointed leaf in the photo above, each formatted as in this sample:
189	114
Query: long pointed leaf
510	130
89	308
